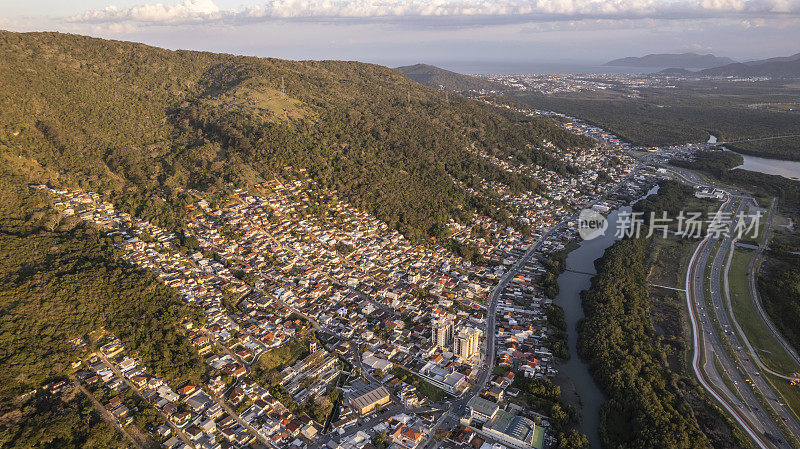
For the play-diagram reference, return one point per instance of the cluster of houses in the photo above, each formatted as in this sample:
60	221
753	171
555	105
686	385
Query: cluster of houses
205	282
344	269
522	337
288	254
548	84
186	417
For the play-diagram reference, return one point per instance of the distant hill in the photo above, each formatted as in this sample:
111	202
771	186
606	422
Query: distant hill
784	67
794	57
676	71
663	60
444	79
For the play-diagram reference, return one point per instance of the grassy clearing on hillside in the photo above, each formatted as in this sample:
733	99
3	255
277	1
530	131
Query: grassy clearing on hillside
267	103
279	358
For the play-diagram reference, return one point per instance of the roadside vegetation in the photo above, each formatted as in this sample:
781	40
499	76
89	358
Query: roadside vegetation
769	350
779	287
634	342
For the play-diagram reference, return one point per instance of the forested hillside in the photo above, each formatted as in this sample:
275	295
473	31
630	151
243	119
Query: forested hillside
143	123
143	126
59	281
444	79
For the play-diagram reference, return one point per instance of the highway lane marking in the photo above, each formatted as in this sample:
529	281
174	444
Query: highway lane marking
696	343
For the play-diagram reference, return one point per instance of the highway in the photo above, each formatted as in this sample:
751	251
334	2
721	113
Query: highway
742	372
755	264
748	410
729	304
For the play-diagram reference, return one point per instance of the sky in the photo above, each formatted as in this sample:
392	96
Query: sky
470	36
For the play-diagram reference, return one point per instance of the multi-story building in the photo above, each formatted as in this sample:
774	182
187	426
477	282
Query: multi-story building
466	342
480	410
442	332
499	425
514	431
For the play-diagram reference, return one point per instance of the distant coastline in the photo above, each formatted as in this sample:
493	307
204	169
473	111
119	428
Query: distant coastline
537	68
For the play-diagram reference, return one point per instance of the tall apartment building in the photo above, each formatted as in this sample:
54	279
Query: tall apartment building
466	342
442	332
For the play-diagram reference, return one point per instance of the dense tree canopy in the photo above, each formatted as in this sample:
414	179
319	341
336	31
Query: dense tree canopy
144	124
44	421
617	338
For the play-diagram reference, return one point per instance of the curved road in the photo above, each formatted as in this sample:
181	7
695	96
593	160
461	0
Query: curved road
743	403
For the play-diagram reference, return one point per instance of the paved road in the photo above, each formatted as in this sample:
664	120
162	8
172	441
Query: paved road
175	429
755	264
261	438
106	414
458	406
756	422
751	291
750	363
747	411
362	425
455	408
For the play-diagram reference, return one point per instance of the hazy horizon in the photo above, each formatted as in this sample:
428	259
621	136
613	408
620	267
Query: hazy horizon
468	36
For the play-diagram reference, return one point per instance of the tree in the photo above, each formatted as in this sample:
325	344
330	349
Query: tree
380	440
573	440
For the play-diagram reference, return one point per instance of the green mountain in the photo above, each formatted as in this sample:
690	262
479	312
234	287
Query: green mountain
142	124
781	67
664	60
444	79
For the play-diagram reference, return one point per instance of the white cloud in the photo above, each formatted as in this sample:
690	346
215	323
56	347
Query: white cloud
454	12
157	13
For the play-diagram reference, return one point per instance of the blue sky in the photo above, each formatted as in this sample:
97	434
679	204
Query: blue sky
454	33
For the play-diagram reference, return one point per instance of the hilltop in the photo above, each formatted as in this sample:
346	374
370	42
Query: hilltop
664	60
144	124
444	79
788	67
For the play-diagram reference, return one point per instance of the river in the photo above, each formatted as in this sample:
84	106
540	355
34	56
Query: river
576	381
780	167
787	169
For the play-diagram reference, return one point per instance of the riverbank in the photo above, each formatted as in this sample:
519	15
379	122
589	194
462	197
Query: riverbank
761	163
576	382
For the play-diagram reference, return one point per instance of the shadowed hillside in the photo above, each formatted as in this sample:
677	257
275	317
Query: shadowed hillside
143	124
